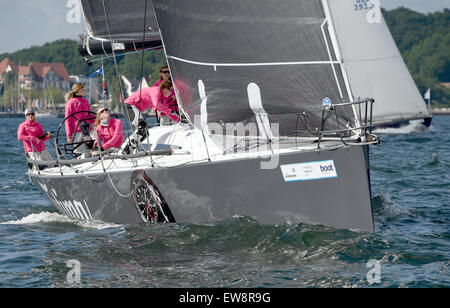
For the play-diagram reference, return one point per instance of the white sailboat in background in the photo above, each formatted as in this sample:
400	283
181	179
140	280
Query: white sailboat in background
374	64
427	96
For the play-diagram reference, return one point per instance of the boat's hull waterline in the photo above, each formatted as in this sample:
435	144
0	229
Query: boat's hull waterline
208	192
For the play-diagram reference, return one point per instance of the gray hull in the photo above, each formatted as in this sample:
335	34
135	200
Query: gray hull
208	192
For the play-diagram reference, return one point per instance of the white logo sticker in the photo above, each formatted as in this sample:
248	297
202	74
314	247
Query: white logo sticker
309	171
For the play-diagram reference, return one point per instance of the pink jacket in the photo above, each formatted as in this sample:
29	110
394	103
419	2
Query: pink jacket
171	103
110	136
157	83
150	98
74	105
28	132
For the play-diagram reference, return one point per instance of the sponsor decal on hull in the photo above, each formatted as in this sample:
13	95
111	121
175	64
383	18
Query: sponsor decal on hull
309	171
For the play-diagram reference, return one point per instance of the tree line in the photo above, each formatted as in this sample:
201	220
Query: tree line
423	40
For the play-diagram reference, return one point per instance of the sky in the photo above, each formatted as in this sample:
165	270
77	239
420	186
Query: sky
26	23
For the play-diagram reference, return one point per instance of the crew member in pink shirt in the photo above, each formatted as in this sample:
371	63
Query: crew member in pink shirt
168	100
75	103
33	136
108	131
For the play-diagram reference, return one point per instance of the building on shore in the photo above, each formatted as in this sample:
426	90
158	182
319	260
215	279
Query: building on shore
37	75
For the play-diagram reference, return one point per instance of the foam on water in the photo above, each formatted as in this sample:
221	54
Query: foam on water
415	126
47	217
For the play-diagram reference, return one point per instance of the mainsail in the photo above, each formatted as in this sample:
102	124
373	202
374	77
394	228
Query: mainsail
118	25
373	62
242	61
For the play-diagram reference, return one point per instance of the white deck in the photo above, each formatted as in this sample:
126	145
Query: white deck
190	146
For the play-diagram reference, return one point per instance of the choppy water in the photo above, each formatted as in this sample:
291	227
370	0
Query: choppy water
410	184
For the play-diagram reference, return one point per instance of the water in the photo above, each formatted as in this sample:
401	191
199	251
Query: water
410	184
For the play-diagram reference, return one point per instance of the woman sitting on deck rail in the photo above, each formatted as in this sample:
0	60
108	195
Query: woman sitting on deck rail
108	131
33	137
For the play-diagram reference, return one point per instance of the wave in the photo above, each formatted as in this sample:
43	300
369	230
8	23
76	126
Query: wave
434	161
19	185
386	210
47	217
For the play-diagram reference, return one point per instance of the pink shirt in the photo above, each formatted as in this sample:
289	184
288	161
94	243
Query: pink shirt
157	83
150	98
110	136
74	105
28	132
171	103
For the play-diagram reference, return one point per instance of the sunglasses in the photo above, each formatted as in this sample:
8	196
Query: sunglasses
30	114
165	72
104	110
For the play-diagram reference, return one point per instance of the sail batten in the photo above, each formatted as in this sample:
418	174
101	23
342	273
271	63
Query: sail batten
253	64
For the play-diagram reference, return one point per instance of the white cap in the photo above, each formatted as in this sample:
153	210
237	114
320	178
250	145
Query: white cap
29	110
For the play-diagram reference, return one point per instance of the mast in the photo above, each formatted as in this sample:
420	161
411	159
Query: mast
2	96
45	103
30	101
12	96
18	88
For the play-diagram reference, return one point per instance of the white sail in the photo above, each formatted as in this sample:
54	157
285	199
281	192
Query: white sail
373	63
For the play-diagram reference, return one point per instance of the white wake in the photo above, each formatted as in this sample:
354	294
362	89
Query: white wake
47	217
415	126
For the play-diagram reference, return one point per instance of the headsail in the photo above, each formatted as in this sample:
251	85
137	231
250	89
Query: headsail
278	51
120	22
373	62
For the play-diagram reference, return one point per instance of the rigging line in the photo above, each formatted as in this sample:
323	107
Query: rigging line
142	60
117	191
116	66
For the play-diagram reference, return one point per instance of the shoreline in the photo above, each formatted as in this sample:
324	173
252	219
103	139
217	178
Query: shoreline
57	115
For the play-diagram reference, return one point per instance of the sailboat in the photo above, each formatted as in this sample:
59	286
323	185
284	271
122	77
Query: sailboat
271	128
374	65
